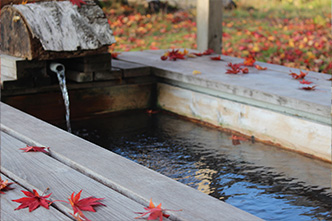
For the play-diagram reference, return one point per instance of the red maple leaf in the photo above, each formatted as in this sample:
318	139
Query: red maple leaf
198	54
115	55
305	82
217	58
309	88
235	68
236	139
4	186
258	67
34	149
85	204
208	52
78	2
173	55
245	70
155	212
298	76
33	201
249	61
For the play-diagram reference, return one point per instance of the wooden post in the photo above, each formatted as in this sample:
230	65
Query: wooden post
209	25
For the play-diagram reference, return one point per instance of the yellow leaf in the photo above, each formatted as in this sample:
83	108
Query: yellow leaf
196	72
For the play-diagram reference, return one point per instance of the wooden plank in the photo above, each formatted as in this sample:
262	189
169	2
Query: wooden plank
113	74
272	87
209	25
139	183
98	62
41	171
8	206
96	99
131	69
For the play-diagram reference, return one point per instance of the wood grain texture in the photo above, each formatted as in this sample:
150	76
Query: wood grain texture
135	181
8	206
41	171
130	69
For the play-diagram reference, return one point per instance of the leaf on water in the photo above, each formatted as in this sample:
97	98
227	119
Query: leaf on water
35	149
236	139
33	200
4	186
258	67
195	72
155	212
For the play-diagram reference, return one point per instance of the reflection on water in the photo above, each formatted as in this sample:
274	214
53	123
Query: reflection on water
268	182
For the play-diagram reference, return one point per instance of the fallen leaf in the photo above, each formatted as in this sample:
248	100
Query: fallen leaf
115	55
217	58
330	79
235	68
245	70
4	186
208	52
33	200
249	61
196	72
173	55
35	149
191	55
155	212
78	2
85	204
258	67
151	111
198	54
309	88
305	82
236	139
298	76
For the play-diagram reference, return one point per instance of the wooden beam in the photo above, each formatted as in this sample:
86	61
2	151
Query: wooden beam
209	25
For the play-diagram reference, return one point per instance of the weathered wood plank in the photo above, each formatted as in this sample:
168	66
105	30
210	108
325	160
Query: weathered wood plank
138	183
41	171
131	69
273	86
209	25
99	98
113	74
8	206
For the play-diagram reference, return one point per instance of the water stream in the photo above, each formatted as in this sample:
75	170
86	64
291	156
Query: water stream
263	180
59	69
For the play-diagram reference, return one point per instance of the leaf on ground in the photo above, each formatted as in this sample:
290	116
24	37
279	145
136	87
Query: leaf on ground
208	52
4	186
245	70
173	55
195	72
309	88
217	58
298	76
33	200
235	68
258	67
249	60
305	82
155	212
85	204
35	149
115	55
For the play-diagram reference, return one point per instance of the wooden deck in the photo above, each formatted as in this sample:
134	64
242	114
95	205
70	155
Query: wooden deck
75	164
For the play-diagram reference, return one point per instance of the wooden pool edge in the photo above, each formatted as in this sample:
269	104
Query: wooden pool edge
128	178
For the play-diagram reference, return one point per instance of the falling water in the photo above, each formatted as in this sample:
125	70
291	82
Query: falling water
59	69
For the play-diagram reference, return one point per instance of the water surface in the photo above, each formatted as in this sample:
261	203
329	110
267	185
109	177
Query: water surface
263	180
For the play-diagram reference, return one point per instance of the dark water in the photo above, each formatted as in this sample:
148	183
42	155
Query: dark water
268	182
